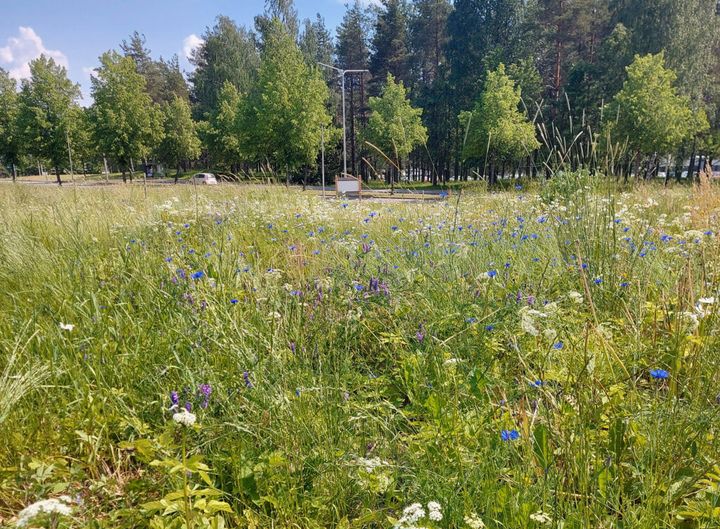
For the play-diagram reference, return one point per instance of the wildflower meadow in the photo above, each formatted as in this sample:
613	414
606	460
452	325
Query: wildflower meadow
239	356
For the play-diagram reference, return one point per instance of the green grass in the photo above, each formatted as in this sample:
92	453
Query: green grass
403	350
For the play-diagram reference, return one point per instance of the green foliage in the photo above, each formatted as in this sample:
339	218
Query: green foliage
9	110
285	111
339	406
127	125
395	127
648	113
48	114
496	126
390	46
228	54
222	132
180	140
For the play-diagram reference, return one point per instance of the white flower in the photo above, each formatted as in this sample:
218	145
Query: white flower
61	506
541	517
550	334
67	326
576	297
434	511
474	521
707	301
185	418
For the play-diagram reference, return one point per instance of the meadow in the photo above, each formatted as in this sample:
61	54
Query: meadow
259	357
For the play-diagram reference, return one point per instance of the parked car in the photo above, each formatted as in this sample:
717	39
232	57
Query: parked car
204	178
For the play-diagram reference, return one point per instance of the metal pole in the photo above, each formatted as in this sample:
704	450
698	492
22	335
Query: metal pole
342	72
67	138
322	157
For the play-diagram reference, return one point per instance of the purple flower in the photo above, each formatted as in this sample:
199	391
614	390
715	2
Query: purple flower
174	398
365	248
248	382
292	347
205	391
188	406
420	334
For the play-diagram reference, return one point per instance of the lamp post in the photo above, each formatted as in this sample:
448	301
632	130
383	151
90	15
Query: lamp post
342	73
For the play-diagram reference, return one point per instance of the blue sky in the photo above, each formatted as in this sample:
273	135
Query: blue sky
76	32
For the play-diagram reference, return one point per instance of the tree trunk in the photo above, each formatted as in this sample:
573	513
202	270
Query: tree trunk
57	175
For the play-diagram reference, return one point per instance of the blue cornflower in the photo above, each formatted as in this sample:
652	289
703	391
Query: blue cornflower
489	328
359	287
471	320
168	259
509	435
659	374
597	280
198	275
234	301
558	345
491	273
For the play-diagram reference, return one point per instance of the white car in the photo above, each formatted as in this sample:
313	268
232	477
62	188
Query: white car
204	178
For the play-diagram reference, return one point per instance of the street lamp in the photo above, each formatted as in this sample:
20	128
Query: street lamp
342	75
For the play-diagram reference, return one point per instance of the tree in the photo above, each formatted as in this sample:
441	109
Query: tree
651	117
9	110
163	79
390	47
228	53
180	141
481	33
282	10
395	127
316	43
221	132
497	132
353	54
429	37
126	123
48	112
285	112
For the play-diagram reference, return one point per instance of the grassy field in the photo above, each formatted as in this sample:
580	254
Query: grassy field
508	360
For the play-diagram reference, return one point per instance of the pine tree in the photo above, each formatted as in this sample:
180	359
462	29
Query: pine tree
390	46
353	54
228	53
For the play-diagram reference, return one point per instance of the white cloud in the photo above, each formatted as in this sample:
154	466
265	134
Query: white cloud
15	57
190	43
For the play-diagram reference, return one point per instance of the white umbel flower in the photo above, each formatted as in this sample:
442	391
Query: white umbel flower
473	521
61	506
184	418
67	326
434	512
541	518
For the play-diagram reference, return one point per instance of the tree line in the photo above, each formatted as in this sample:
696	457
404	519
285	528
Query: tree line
452	90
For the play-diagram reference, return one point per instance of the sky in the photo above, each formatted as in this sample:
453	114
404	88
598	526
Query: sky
76	32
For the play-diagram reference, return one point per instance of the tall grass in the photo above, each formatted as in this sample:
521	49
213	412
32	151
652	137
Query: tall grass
333	333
